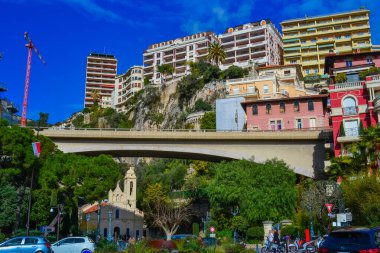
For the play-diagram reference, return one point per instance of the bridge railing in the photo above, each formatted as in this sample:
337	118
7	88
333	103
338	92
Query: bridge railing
328	129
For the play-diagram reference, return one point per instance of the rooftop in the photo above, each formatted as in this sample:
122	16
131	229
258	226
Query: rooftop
285	99
102	55
324	16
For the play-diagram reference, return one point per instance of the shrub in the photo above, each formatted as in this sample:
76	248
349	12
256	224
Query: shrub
188	87
290	230
86	110
208	121
234	72
104	246
256	234
201	105
341	78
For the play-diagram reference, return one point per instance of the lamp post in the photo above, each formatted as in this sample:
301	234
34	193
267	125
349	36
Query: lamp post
234	212
99	214
109	238
311	223
87	220
60	212
205	221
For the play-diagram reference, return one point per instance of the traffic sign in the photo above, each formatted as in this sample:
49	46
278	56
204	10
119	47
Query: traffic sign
329	207
47	229
212	229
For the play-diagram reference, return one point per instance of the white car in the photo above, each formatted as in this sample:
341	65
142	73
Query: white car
74	245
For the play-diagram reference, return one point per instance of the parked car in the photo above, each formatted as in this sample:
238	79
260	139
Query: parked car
74	245
27	244
360	240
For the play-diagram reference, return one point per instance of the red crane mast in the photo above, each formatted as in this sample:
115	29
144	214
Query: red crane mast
30	47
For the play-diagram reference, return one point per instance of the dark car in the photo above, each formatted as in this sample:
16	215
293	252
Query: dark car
347	240
27	244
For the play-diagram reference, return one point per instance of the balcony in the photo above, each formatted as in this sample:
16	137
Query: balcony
376	104
344	86
350	110
373	82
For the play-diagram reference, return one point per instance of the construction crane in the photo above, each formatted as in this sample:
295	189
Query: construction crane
30	47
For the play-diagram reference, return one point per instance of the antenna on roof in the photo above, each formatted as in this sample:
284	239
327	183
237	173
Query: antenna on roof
362	7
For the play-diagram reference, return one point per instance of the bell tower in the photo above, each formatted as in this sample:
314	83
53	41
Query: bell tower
130	188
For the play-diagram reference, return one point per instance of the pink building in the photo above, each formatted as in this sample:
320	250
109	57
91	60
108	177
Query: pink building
354	101
287	113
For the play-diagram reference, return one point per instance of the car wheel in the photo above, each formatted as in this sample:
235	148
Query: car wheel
86	251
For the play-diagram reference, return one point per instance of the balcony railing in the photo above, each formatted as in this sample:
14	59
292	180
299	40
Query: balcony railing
348	85
350	110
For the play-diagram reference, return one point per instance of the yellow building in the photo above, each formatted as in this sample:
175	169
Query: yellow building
308	40
270	82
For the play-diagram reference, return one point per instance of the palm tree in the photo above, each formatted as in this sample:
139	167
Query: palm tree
96	97
216	53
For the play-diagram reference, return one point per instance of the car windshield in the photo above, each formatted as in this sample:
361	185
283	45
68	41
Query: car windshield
347	239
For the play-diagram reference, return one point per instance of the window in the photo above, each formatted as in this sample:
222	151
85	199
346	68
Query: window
266	89
191	47
287	72
158	62
14	242
105	233
310	105
293	61
282	107
349	106
117	214
268	108
30	241
369	60
296	106
272	125
348	63
130	188
158	55
307	71
254	110
299	123
279	124
312	122
79	240
351	128
68	241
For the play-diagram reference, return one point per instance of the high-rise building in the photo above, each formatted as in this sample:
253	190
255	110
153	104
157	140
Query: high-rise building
308	40
253	43
177	53
100	77
127	84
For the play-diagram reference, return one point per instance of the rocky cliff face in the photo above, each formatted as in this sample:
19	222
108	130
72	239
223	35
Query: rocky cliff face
156	108
173	116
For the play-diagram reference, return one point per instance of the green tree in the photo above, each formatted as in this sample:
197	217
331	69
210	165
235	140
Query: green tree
341	78
362	197
262	191
208	121
77	177
165	69
234	72
216	53
201	105
43	121
187	88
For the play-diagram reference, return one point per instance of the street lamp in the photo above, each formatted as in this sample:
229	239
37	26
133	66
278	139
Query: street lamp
109	238
88	216
311	223
58	217
205	221
234	212
99	213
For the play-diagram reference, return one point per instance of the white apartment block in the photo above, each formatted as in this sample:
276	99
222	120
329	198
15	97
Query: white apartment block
256	42
127	84
177	53
100	76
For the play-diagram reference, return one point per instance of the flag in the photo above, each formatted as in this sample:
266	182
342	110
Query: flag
36	148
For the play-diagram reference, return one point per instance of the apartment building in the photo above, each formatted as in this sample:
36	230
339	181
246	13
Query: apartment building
270	82
308	40
252	43
177	53
100	76
354	96
127	84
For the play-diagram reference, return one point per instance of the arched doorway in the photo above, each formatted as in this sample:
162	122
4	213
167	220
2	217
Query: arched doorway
116	233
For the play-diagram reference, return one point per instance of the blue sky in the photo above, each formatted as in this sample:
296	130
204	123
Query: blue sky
66	31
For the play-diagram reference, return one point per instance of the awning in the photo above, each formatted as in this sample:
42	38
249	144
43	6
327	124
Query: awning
326	45
291	40
291	48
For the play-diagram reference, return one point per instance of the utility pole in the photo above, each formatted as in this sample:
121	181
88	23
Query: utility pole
30	46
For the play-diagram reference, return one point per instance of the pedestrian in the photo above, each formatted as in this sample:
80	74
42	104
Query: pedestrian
276	237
